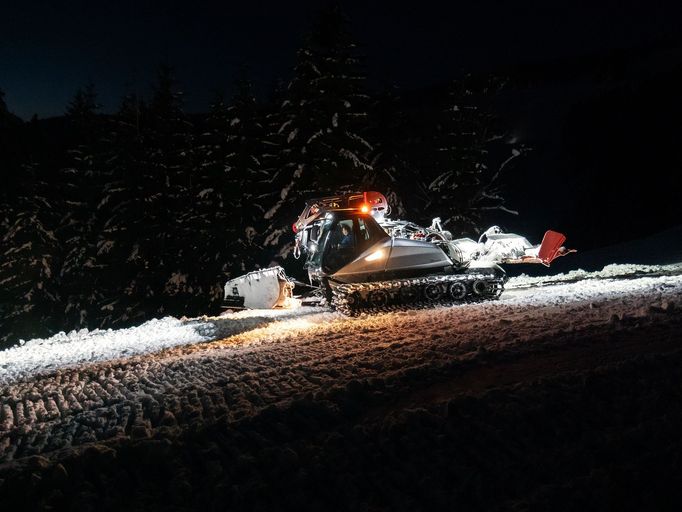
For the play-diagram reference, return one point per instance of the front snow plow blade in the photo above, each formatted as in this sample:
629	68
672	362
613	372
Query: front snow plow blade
261	289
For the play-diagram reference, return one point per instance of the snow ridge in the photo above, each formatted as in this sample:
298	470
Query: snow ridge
613	271
64	350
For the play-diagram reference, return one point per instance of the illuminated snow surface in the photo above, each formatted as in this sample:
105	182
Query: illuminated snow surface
66	350
63	350
74	389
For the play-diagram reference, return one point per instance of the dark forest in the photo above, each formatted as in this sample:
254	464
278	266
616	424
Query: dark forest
112	219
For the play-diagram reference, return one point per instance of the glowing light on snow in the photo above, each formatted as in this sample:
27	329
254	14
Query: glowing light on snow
583	298
79	347
287	327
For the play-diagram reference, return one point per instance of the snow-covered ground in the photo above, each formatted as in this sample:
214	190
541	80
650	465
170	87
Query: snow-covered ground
77	347
571	368
30	358
77	388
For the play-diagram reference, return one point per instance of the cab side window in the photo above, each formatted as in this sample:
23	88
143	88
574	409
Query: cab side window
346	238
369	234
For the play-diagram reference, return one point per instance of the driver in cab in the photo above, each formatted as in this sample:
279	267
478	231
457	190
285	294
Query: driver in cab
346	238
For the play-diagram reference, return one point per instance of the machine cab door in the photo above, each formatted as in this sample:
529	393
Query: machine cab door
343	238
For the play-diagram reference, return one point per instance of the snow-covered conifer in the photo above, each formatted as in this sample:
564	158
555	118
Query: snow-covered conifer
460	175
168	172
320	130
29	263
79	190
116	258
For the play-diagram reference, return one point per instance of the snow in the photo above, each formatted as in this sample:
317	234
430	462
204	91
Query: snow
76	347
614	282
168	376
346	153
292	135
283	195
176	282
613	271
63	350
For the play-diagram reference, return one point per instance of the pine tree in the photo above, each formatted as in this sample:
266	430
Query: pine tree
279	173
29	264
116	260
463	178
169	170
221	222
82	110
394	174
207	223
141	247
246	149
79	190
12	146
319	136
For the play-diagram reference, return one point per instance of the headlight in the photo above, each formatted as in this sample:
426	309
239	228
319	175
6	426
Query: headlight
375	255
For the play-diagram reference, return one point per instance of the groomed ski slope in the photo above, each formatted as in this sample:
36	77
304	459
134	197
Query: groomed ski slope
168	374
33	357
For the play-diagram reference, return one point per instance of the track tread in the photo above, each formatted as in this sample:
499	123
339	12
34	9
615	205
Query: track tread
355	298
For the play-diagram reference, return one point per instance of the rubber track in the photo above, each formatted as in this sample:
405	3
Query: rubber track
354	299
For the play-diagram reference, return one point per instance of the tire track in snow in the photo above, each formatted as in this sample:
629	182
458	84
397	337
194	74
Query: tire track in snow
277	363
575	354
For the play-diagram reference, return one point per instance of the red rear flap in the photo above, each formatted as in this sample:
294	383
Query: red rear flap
551	244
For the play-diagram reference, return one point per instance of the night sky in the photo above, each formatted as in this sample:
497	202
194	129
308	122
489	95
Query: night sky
594	88
49	49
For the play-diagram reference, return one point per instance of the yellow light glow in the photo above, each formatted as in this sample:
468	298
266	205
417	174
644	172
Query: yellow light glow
364	208
375	255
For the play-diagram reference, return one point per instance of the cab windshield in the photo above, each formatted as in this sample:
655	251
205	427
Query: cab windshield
342	239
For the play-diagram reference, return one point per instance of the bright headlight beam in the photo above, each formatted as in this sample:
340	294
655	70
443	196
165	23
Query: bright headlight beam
375	255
